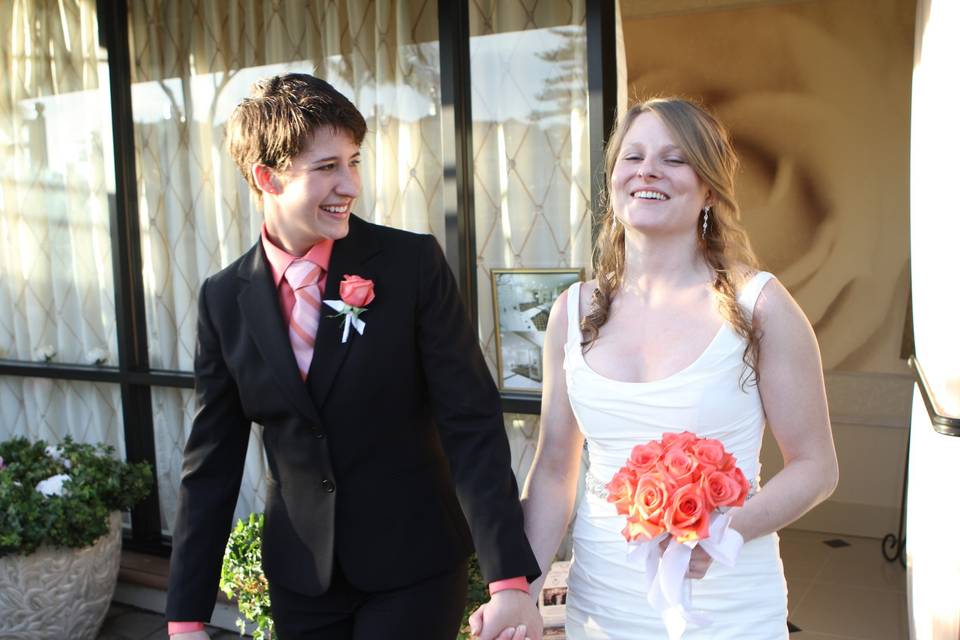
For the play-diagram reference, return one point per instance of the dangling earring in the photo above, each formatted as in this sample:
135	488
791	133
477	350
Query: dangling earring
706	215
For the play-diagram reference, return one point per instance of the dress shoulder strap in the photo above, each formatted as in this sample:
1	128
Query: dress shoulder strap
573	314
748	294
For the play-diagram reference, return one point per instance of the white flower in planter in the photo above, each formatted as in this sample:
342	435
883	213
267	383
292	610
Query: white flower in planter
52	486
57	455
46	353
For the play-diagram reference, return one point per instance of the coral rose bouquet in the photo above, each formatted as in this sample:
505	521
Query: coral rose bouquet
678	489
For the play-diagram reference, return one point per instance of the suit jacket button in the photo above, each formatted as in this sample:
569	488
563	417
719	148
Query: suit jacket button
327	486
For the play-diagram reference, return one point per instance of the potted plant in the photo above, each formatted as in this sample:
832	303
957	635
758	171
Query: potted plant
60	532
242	578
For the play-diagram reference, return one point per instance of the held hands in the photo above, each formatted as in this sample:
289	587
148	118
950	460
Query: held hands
509	615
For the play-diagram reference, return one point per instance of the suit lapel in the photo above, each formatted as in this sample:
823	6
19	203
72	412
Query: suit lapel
348	257
259	305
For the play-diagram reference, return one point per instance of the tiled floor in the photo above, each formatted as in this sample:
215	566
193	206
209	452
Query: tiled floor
836	593
842	593
129	623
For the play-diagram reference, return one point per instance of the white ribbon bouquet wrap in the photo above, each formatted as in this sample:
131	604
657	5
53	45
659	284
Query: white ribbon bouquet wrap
668	588
680	488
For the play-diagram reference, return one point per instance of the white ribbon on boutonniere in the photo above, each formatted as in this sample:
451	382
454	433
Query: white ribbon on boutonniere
351	317
355	293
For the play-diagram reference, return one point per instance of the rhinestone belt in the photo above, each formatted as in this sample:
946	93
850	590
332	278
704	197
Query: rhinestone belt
595	485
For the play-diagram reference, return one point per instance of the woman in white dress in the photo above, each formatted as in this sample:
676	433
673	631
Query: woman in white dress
679	332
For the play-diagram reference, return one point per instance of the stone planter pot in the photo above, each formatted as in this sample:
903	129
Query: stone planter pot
59	594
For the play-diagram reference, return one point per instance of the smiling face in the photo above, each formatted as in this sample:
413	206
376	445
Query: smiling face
312	198
654	188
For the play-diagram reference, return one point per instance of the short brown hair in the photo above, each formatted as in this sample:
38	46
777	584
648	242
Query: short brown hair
275	123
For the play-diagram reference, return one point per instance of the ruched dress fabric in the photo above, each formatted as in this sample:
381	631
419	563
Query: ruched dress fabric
606	597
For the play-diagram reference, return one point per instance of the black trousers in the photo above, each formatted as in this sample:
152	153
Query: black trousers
427	610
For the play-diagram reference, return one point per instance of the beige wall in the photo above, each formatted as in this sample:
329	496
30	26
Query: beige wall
869	413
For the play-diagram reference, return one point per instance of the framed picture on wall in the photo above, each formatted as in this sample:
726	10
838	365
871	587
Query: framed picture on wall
522	299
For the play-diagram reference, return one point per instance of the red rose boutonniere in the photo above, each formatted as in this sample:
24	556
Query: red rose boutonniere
355	294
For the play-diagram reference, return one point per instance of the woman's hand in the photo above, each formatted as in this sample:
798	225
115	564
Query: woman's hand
508	615
510	633
700	560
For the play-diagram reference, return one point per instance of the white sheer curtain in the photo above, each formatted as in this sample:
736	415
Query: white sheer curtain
531	142
56	283
193	61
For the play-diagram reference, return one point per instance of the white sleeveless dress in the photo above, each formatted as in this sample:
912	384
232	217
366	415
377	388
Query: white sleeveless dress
606	599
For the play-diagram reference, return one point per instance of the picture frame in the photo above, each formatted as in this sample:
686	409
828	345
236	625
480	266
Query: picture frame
522	299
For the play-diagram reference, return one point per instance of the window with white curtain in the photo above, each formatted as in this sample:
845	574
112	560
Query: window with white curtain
56	190
530	142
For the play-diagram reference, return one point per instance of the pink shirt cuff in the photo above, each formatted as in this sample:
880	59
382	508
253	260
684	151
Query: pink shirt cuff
183	627
520	584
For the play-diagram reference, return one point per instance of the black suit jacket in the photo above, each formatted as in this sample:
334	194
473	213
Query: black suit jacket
393	444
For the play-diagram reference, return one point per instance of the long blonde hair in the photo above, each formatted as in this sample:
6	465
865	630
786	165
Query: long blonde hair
725	246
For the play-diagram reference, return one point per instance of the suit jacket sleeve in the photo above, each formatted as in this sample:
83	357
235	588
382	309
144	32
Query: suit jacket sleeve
210	482
466	404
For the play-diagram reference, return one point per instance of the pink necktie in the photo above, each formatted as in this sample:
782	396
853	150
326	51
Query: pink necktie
303	276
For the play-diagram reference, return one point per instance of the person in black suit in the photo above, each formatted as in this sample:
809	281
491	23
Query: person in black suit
386	452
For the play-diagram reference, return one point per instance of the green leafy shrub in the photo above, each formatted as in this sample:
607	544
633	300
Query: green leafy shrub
62	495
242	578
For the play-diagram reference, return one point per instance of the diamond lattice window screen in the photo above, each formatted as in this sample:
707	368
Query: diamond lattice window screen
192	62
530	142
45	409
56	282
56	287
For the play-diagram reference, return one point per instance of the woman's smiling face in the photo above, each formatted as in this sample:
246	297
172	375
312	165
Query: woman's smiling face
654	188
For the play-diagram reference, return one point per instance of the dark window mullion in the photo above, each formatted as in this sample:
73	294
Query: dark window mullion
455	96
602	91
127	270
94	373
86	373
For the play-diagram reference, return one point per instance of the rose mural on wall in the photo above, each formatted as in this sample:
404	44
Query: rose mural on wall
817	100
